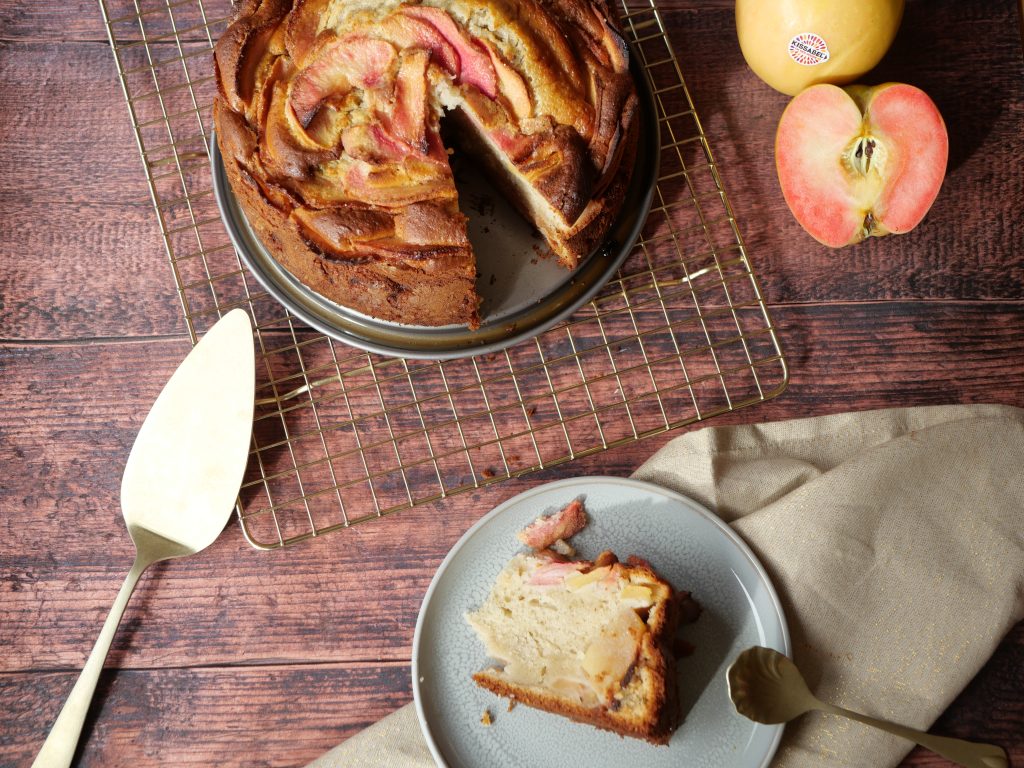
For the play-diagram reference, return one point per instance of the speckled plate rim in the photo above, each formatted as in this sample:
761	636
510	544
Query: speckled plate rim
421	342
583	484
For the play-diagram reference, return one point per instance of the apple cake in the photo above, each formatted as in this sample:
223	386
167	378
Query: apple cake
589	640
329	119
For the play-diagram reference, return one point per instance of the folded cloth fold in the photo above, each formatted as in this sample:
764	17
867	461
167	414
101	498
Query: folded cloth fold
895	539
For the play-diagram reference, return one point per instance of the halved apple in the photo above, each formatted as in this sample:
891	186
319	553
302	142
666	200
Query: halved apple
860	161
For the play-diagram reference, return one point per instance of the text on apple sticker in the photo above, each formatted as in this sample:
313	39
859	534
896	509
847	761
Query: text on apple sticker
808	49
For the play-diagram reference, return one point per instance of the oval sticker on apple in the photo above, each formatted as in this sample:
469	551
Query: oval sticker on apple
808	49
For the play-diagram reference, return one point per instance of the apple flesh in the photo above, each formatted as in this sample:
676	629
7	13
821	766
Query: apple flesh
341	63
475	66
860	162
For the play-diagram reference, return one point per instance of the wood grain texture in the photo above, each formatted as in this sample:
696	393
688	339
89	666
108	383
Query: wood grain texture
80	407
83	151
81	254
230	716
239	657
96	257
247	716
967	248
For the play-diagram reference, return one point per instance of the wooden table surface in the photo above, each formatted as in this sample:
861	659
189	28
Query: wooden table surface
241	657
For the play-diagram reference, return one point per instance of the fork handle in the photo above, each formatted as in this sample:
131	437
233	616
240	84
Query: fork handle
59	748
970	754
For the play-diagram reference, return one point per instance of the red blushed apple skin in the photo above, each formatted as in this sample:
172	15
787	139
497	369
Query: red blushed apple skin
835	203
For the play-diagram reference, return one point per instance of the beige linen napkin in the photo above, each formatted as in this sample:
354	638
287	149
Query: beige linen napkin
895	539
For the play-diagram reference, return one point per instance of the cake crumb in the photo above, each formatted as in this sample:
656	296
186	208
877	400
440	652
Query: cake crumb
681	648
512	704
485	718
564	548
546	529
484	205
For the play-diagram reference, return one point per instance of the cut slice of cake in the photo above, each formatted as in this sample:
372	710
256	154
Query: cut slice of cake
584	639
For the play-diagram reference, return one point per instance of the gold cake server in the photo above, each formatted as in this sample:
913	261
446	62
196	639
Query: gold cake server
179	486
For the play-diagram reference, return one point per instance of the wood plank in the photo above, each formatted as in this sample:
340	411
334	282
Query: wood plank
1020	10
65	22
84	257
288	715
84	271
349	598
65	129
968	247
354	595
252	716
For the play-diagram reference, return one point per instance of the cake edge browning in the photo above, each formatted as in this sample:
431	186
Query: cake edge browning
655	725
433	285
388	290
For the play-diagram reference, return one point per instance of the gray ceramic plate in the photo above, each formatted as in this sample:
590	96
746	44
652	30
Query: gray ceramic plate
685	543
523	293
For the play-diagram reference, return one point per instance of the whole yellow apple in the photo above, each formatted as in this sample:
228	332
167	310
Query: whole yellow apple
793	44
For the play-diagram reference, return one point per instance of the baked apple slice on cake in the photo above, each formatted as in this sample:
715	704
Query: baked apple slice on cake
329	115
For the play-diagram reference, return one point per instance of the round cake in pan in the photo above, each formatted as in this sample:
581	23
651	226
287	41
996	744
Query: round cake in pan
329	118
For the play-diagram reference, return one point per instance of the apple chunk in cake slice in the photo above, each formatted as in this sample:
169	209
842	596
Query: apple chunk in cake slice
583	640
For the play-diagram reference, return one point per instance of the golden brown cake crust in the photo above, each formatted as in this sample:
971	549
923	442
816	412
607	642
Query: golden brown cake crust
655	725
327	120
382	289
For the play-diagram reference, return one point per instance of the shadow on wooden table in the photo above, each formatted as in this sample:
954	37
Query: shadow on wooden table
945	48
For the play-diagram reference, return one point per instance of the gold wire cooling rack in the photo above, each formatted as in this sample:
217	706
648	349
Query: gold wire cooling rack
342	436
